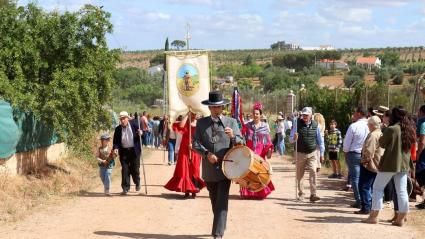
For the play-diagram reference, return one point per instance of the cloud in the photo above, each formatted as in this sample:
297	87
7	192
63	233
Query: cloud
63	5
369	3
155	16
350	14
290	3
357	30
190	2
208	2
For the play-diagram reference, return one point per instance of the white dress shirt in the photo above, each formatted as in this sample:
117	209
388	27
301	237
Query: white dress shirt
355	136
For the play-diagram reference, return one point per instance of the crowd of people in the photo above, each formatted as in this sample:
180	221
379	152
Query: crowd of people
382	150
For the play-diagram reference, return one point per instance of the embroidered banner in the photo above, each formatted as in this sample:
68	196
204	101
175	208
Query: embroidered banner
188	82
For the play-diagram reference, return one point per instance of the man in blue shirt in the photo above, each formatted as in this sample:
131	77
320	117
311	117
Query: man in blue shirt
306	133
420	164
352	146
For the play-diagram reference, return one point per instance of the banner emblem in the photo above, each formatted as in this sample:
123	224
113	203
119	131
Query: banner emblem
188	80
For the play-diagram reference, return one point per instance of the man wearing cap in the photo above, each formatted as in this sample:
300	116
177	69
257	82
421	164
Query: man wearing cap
306	134
126	144
352	147
214	136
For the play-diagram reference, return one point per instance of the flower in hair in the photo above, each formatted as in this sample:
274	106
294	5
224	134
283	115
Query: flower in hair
258	106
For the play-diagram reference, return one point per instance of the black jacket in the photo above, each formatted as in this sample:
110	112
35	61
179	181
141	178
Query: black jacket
117	137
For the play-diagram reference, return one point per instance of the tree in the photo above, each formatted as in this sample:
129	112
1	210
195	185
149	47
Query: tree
382	75
390	58
397	75
4	2
351	80
276	78
137	86
157	59
58	66
245	84
167	45
178	44
297	61
355	75
248	61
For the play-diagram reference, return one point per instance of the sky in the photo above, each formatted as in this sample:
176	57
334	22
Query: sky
256	24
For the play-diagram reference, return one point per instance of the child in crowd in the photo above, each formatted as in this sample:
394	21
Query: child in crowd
106	162
334	143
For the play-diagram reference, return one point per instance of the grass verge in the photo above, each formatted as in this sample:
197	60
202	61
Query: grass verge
67	177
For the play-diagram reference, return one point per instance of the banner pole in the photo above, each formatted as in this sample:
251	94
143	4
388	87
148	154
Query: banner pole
190	135
141	156
164	110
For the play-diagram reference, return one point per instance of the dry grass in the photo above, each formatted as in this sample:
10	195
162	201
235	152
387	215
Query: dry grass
19	195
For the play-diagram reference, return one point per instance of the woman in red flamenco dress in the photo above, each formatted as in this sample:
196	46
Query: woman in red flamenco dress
186	176
257	136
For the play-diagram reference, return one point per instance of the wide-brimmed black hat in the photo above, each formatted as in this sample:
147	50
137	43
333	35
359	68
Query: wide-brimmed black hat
215	98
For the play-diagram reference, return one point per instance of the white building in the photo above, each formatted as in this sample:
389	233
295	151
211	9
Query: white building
369	62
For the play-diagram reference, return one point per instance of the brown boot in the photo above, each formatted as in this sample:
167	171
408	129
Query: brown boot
401	219
394	217
373	217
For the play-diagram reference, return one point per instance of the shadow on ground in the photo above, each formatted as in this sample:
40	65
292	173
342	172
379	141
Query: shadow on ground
148	236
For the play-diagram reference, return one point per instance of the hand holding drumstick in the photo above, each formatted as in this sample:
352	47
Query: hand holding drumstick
229	132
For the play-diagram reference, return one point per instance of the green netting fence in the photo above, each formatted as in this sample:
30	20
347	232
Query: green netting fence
34	133
22	131
9	131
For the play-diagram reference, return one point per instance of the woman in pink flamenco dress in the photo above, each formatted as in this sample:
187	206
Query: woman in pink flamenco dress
257	137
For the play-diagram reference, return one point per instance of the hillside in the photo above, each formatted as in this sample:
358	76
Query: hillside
140	59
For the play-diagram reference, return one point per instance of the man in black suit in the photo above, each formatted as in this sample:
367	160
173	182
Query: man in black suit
126	144
214	136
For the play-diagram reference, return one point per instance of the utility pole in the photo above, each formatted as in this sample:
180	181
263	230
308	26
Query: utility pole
188	35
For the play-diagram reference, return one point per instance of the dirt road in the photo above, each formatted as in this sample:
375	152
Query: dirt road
164	215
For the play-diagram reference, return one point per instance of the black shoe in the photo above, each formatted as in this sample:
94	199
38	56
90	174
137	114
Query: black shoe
356	205
332	175
193	195
125	192
186	195
362	212
420	206
137	188
339	176
314	198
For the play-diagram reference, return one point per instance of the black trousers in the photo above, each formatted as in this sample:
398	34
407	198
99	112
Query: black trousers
130	165
219	196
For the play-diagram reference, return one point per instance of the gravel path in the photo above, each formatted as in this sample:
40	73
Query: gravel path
165	215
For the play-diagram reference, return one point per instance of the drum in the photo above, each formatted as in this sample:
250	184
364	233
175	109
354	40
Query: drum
244	167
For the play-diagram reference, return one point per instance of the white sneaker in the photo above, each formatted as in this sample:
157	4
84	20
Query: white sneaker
107	192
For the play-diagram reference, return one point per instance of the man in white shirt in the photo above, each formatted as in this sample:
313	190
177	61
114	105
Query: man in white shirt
280	131
126	144
352	147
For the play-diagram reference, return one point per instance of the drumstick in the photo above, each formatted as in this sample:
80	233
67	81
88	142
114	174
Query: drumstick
227	160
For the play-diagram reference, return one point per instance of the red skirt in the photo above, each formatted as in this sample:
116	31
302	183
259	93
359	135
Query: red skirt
186	177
